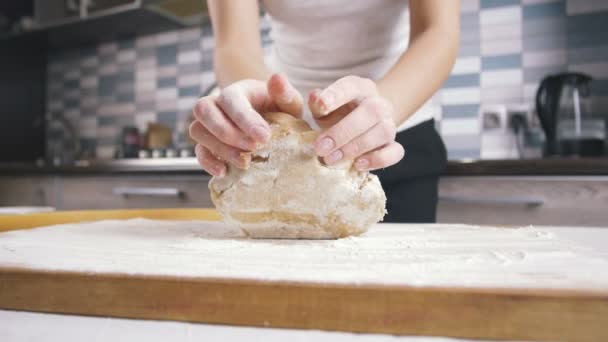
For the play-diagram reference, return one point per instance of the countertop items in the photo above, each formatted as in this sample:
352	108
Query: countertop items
505	277
506	167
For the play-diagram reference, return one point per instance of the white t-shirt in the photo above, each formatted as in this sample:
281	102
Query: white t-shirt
317	42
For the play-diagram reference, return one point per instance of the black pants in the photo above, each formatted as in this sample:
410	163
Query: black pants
411	184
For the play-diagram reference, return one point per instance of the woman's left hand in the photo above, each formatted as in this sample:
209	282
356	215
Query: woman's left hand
357	124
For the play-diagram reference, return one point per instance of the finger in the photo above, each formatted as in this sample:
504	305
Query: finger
379	135
235	102
345	90
365	116
225	152
313	103
208	113
209	162
285	97
332	118
380	158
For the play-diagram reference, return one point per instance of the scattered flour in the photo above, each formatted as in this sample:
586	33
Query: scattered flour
418	255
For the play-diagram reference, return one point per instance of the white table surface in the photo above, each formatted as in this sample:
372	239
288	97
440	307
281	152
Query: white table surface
25	326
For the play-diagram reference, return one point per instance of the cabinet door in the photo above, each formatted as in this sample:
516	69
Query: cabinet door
27	191
119	192
563	201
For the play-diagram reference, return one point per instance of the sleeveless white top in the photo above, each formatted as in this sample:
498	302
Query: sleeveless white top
317	42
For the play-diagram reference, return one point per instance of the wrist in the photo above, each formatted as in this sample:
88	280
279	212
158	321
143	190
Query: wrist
386	93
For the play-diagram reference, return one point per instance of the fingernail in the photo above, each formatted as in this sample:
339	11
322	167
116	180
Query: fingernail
325	146
286	97
260	133
362	164
219	171
333	158
247	144
327	99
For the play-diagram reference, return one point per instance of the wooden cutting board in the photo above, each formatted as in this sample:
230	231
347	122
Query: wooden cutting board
397	279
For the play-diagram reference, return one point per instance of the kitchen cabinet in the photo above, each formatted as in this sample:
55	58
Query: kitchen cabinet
520	200
28	191
106	192
113	192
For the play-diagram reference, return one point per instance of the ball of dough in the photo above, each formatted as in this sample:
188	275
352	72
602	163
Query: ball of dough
288	192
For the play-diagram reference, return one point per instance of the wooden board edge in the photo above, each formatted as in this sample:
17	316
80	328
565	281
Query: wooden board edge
27	221
461	313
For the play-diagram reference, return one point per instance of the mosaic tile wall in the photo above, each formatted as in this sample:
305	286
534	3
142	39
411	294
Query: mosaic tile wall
507	47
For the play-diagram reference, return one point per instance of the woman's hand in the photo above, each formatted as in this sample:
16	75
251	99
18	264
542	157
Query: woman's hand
229	125
358	124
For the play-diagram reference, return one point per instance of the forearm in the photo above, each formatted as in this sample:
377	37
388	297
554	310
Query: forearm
238	50
234	64
420	71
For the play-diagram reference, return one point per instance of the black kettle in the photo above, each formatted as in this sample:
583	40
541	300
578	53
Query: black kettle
561	105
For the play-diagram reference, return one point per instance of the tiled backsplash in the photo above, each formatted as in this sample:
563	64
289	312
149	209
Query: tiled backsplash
507	47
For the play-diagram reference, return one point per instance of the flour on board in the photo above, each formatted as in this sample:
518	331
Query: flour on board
417	255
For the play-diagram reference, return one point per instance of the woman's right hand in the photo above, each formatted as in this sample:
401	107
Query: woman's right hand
228	125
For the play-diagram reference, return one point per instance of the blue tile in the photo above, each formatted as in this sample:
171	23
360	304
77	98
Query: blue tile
498	3
470	35
167	82
125	97
207	60
127	43
544	42
462	142
599	87
551	9
460	111
588	55
190	92
71	84
125	76
468	50
71	103
582	40
265	31
168	118
166	54
454	154
105	120
88	145
589	23
459	81
544	26
501	62
107	85
535	75
89	50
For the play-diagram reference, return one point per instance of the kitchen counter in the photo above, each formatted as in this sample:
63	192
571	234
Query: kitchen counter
529	167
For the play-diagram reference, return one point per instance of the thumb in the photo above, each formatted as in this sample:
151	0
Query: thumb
284	96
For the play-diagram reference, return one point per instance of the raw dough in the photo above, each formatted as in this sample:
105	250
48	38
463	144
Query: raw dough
287	192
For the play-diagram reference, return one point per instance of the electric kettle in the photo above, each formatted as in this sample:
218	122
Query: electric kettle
564	110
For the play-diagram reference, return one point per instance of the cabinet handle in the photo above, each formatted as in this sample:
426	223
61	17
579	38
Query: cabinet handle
525	201
143	191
